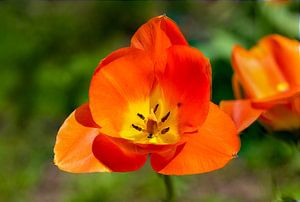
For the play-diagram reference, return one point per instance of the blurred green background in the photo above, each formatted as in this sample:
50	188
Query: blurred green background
48	52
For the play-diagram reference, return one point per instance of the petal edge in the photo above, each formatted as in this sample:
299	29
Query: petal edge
212	148
73	147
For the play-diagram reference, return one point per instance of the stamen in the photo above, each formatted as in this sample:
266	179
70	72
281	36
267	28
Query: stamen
141	116
136	127
165	130
155	108
163	119
179	104
150	136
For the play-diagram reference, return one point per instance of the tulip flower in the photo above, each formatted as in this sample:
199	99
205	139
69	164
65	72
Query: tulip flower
151	99
266	83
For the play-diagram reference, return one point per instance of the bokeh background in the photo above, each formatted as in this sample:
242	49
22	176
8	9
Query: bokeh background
48	52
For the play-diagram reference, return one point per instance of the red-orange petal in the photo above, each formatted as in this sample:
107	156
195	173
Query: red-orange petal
241	112
296	104
216	143
73	147
258	72
124	80
186	84
116	156
113	56
287	54
157	35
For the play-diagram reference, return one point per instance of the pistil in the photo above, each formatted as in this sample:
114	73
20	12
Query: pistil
152	127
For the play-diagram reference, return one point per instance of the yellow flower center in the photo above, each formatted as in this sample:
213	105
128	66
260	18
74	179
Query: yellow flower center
151	121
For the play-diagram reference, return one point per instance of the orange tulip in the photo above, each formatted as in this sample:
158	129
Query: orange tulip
268	78
149	99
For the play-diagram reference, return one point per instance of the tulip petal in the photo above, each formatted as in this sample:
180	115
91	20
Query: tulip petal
279	98
282	117
258	72
157	35
73	147
296	104
237	90
287	54
186	85
241	112
215	144
113	56
116	155
126	80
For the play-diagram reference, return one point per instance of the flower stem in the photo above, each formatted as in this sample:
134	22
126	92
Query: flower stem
170	194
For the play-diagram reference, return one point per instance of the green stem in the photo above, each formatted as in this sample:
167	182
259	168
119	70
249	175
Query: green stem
170	194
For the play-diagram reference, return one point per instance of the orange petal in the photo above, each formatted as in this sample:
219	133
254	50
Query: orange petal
258	72
186	84
122	81
287	55
215	144
113	56
279	98
281	117
241	112
236	87
73	147
155	37
116	156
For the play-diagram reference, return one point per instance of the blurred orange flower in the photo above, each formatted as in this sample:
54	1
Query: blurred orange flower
152	98
268	78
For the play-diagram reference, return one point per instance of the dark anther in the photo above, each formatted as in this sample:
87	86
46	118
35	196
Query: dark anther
150	136
178	104
155	108
141	116
163	119
136	127
165	130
